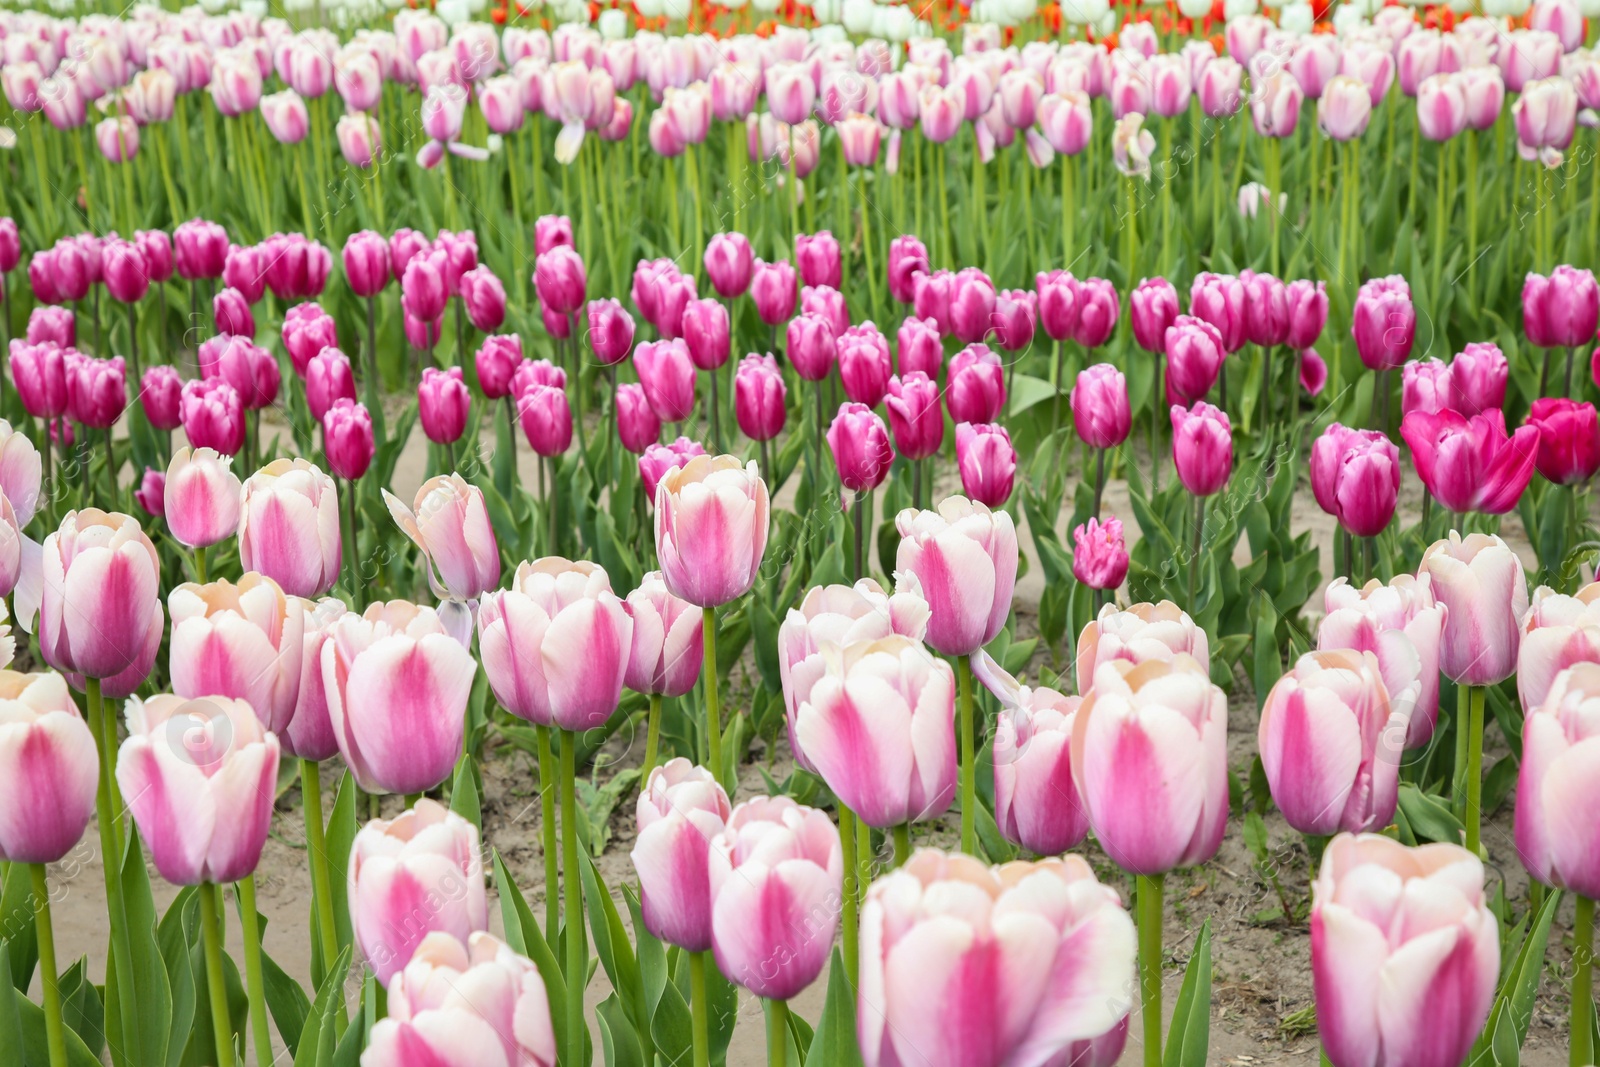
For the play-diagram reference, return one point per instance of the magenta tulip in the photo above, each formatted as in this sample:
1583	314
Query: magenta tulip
1355	477
610	331
864	364
213	415
812	346
1099	555
759	394
1202	448
655	460
773	290
859	442
1154	308
729	264
443	404
638	426
1471	464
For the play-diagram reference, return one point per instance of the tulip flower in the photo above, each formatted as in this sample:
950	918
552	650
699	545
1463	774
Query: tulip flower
49	778
1560	311
976	388
680	811
213	415
1402	625
1471	464
1385	323
1345	108
1447	954
347	439
449	521
506	1019
1569	439
55	325
483	297
1100	411
240	641
860	445
1553	842
397	685
705	332
1556	632
1477	378
1202	448
1056	941
231	313
818	259
201	249
1137	634
1355	477
97	391
1479	580
150	496
827	303
667	372
1099	556
776	870
657	459
915	416
1195	356
100	616
666	650
496	361
908	257
773	291
1545	116
309	736
366	263
987	462
759	394
329	378
610	331
729	264
443	404
428	853
1220	300
711	529
289	527
1153	306
638	427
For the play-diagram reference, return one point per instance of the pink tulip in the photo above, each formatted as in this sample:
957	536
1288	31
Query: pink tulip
1442	106
812	346
48	772
289	527
908	257
347	440
729	264
1355	476
1138	634
20	472
126	275
309	734
202	497
828	303
1480	582
484	298
1401	624
1058	304
1485	92
397	685
556	644
231	313
213	415
1345	108
965	557
705	331
711	529
655	460
307	330
246	270
665	654
296	268
1471	464
1195	355
1560	311
864	364
150	496
987	462
546	418
117	138
777	872
10	245
426	854
976	389
1099	556
366	263
1314	62
52	325
1556	632
449	521
240	641
667	372
1446	952
915	416
1569	439
1014	319
972	303
772	289
329	378
1040	957
610	331
1066	121
100	615
1477	378
1220	88
1554	842
1220	300
496	361
443	404
97	391
1154	307
818	259
1202	447
638	427
681	810
1266	309
199	777
1308	312
1425	386
859	442
759	394
201	249
930	297
1100	411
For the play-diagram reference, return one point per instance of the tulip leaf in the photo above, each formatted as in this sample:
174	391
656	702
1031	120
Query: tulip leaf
286	1001
1189	1036
617	1038
317	1039
834	1043
175	935
81	1007
1266	659
611	943
16	920
10	1017
340	836
152	993
464	792
523	934
1498	783
22	1028
1502	1039
1428	818
669	1013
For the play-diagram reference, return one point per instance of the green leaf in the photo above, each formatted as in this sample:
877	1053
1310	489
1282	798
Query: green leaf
1429	818
285	1000
10	1018
1189	1037
81	1007
152	992
340	836
670	1022
176	940
1502	1039
464	792
317	1039
617	1039
523	934
612	945
834	1044
16	922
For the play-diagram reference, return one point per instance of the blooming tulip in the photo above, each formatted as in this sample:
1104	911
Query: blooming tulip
773	291
812	347
965	557
667	372
366	263
987	462
1479	580
1402	625
729	264
1100	411
289	527
56	325
817	257
1478	377
1471	464
100	616
347	439
1385	323
449	521
908	257
241	641
681	810
1554	841
1195	356
496	361
1099	557
711	528
1153	307
976	388
1561	310
665	655
48	772
859	442
914	414
1569	439
1202	448
1355	476
1220	300
213	415
201	249
1138	634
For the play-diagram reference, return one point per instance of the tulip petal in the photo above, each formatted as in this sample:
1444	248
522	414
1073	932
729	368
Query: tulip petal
1570	796
162	792
1347	955
1433	996
1311	749
244	788
55	757
405	700
1145	795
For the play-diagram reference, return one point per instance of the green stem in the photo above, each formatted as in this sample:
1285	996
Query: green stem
572	882
1148	901
260	1034
777	1033
1472	212
1463	731
1199	543
1475	771
708	620
699	1018
200	564
55	1035
317	855
902	844
1582	1050
852	889
347	519
547	794
652	739
211	931
969	770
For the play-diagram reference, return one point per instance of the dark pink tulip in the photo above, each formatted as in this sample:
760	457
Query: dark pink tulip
648	277
201	249
817	255
329	378
915	416
1471	464
97	391
864	365
404	246
656	460
829	303
42	278
976	389
972	302
156	248
1014	319
126	277
729	264
705	332
213	415
930	297
366	263
424	333
1385	323
161	395
1478	378
1153	307
296	268
460	256
443	404
1202	447
551	231
483	298
248	367
40	374
1219	299
812	347
423	289
231	313
759	395
49	324
1355	477
497	361
1425	386
987	462
674	293
152	492
637	425
1560	311
1266	309
347	439
246	270
1058	303
1308	312
70	270
667	373
1099	556
1313	372
559	278
908	257
10	245
1100	410
610	331
918	347
546	419
531	372
1569	439
860	444
1097	312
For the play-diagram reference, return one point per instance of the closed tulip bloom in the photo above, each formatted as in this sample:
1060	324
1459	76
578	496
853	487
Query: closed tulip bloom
286	116
1051	937
496	361
1561	310
1100	411
1557	632
150	496
667	373
1402	625
965	557
1097	312
705	332
665	655
10	245
246	270
297	269
676	292
729	264
1202	447
1441	106
1066	121
1389	921
1555	841
656	460
1058	303
443	404
428	853
289	527
1014	319
1220	88
1345	108
1099	556
560	280
546	418
550	231
307	330
859	442
50	773
127	277
366	263
681	810
1546	119
118	139
1138	634
1355	476
1314	62
201	498
347	440
397	685
930	297
20	473
100	615
1195	354
915	416
638	426
52	325
1480	582
213	415
484	298
1424	386
972	301
1569	439
97	391
231	313
309	734
199	777
449	521
776	871
772	288
976	388
918	347
1485	93
712	517
827	302
329	378
556	644
817	256
39	371
610	331
243	641
908	257
1385	323
1471	464
864	365
1220	300
249	368
1477	378
987	462
1308	312
812	347
759	395
1153	306
201	249
1266	309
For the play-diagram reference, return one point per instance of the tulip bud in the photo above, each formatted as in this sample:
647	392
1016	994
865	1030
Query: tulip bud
1480	582
908	257
484	298
232	315
1099	557
987	462
1154	306
1355	476
213	415
665	655
729	264
1202	447
759	396
1385	323
1097	312
443	404
1140	633
1560	311
497	360
366	263
972	301
637	425
49	753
